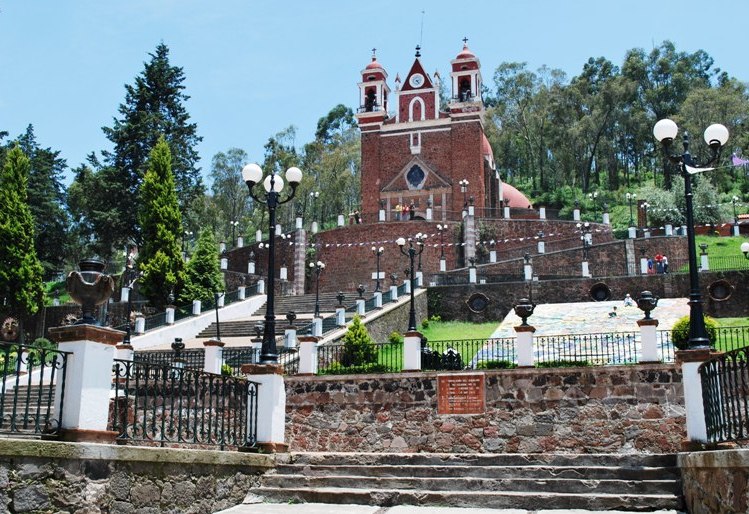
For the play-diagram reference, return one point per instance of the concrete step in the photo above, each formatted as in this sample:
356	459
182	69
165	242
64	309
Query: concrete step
494	472
473	499
457	483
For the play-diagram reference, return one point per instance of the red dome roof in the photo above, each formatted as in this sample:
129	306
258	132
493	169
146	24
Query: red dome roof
373	65
513	197
466	53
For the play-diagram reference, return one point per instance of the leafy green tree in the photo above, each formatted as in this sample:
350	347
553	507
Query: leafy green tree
358	347
153	107
203	275
21	288
229	190
160	258
47	202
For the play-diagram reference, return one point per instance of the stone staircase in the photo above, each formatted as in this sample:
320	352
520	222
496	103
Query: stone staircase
26	409
498	481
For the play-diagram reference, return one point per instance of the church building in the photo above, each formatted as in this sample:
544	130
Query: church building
415	153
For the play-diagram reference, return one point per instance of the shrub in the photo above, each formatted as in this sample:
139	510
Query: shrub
226	370
496	364
562	364
425	323
680	332
358	346
395	338
340	369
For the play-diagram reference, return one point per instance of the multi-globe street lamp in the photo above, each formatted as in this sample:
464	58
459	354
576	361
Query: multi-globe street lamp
377	253
593	197
130	276
745	249
644	208
317	268
630	198
273	184
411	253
234	224
313	197
464	189
585	237
187	235
716	136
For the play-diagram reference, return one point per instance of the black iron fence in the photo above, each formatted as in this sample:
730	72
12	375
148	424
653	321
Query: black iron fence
595	349
157	404
193	358
725	395
340	358
27	391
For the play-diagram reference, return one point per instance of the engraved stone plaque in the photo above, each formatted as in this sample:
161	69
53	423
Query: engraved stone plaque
461	394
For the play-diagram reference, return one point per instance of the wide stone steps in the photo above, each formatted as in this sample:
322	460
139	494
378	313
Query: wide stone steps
499	481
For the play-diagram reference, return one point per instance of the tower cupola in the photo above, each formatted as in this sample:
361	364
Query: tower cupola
373	93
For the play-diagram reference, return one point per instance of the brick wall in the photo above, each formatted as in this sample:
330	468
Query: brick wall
716	481
577	410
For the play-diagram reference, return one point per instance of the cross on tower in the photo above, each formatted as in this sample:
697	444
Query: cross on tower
374	51
465	41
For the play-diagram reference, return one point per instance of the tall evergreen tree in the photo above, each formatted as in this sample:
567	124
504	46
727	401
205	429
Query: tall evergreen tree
153	107
21	288
47	202
203	275
160	258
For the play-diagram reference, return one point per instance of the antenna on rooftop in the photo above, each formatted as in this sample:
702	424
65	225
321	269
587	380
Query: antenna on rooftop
421	32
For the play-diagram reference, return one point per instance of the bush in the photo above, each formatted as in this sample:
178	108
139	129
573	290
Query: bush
680	332
395	338
562	364
496	364
339	369
226	370
424	324
358	346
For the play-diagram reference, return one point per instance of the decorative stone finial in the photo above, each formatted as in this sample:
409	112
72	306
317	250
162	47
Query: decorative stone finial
89	288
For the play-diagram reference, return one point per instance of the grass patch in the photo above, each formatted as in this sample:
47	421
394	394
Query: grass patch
457	330
732	322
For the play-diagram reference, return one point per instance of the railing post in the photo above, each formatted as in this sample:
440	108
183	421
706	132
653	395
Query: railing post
407	286
241	294
221	300
412	351
317	327
196	307
393	293
648	340
289	337
87	381
542	213
419	279
340	220
378	300
524	345
258	235
271	406
308	355
632	232
576	214
492	257
261	286
340	316
140	325
669	229
361	308
690	361
214	356
170	315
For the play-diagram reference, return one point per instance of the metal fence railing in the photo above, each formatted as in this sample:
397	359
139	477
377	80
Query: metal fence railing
27	389
339	358
467	353
725	395
156	404
194	358
597	349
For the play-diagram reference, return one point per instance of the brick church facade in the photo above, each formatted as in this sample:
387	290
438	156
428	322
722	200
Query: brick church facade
418	154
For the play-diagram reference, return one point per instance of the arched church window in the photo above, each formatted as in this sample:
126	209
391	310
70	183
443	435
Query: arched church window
415	177
465	90
370	102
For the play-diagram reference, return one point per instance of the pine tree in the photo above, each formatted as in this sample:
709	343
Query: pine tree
21	288
153	107
203	275
358	347
160	258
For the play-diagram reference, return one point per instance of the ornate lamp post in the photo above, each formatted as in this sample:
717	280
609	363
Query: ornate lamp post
313	196
317	268
411	253
716	136
734	201
593	197
273	185
378	253
464	189
630	198
584	228
234	225
130	277
441	229
187	235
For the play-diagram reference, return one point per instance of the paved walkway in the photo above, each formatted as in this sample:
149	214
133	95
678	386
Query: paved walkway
324	508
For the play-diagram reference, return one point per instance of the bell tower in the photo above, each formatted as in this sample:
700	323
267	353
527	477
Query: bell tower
466	81
373	93
418	99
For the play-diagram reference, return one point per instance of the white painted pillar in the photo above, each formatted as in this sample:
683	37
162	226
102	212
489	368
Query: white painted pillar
643	266
224	263
407	284
492	256
360	307
279	229
88	380
258	235
524	345
317	327
341	221
261	286
646	232
541	247
471	275
585	269
692	383
299	223
527	271
271	407
542	213
315	229
196	307
704	262
123	352
381	215
242	293
576	215
606	219
307	355
506	213
251	268
378	300
140	325
240	242
393	293
221	299
340	316
736	230
419	279
221	247
412	351
169	315
214	356
632	232
669	229
648	340
471	210
124	294
430	213
443	265
289	337
283	273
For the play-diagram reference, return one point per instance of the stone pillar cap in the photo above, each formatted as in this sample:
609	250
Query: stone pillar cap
214	342
525	328
93	333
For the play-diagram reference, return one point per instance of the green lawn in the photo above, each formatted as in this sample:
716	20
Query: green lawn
732	322
456	330
721	246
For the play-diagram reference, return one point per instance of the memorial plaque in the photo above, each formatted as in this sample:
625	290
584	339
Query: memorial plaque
461	394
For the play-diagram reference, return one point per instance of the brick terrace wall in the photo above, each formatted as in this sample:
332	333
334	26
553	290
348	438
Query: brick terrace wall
577	410
716	481
449	302
45	476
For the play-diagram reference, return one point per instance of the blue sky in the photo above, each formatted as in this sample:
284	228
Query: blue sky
255	67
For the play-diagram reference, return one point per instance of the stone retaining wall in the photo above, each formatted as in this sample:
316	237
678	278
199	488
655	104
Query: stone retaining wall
46	476
716	481
617	409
